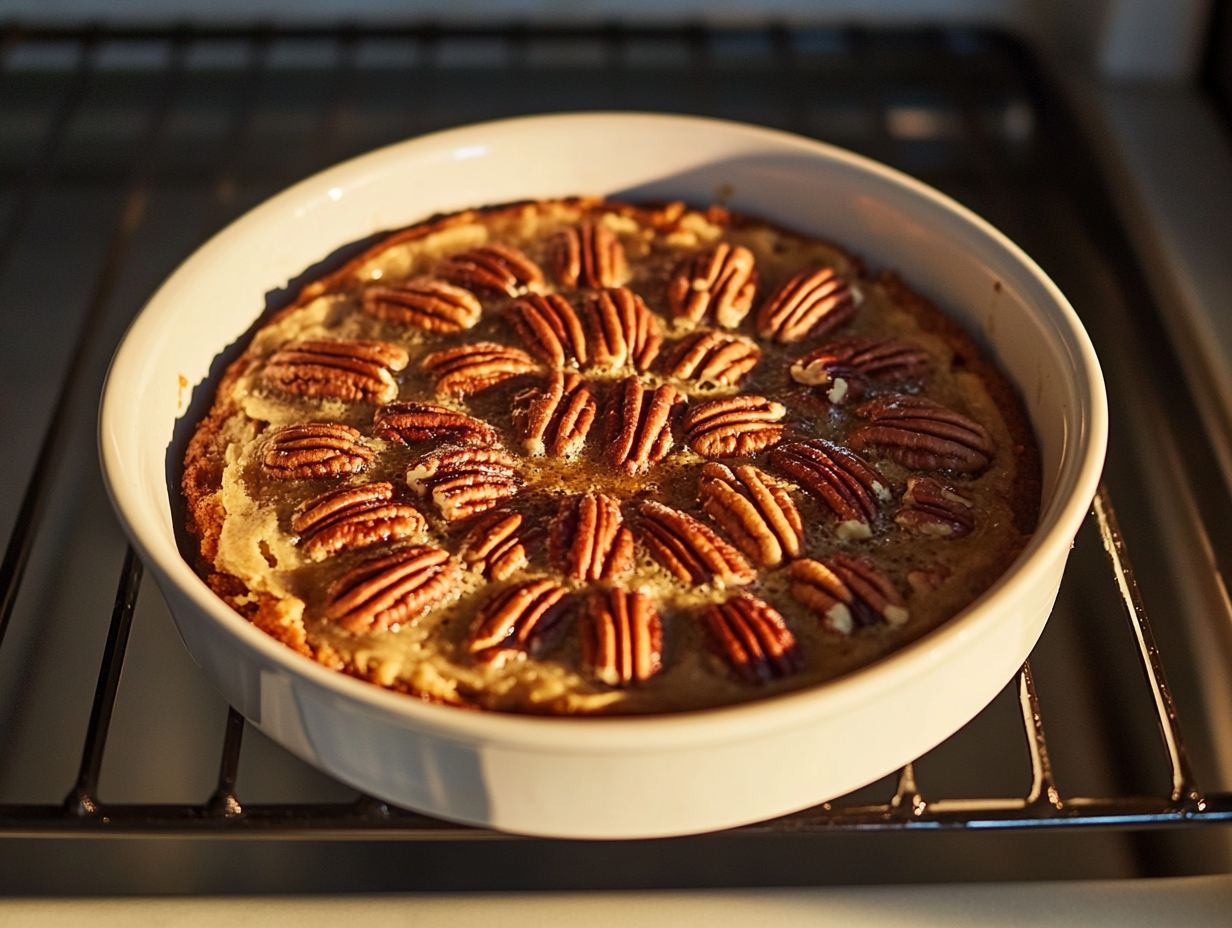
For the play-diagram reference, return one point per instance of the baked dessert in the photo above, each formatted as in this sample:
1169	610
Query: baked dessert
581	456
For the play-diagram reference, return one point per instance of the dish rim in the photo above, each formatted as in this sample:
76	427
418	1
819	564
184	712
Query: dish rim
677	730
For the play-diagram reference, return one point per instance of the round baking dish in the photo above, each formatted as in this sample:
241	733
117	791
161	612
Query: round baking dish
630	777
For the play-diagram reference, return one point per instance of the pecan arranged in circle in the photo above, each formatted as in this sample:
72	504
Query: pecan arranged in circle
841	479
847	592
923	434
470	369
492	269
737	425
719	283
388	591
934	508
712	358
639	425
555	418
496	544
809	305
752	639
622	637
354	517
588	539
620	330
424	303
690	549
315	449
464	481
527	619
755	511
412	422
339	368
588	255
550	328
847	366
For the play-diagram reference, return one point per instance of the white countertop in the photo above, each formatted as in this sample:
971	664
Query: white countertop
1194	902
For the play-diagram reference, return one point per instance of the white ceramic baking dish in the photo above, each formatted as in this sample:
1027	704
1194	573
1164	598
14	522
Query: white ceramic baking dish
632	777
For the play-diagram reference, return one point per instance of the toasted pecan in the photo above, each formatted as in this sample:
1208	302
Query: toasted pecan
588	539
752	639
690	549
337	368
755	511
354	517
315	449
622	636
387	591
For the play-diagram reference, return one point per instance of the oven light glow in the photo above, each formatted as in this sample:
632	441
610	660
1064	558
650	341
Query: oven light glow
335	193
470	151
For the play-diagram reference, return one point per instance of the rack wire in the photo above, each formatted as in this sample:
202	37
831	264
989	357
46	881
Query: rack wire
950	129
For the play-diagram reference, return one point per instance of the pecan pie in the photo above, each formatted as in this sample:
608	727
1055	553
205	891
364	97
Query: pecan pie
583	457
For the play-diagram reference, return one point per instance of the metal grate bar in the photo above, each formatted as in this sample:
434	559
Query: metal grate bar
81	800
1183	789
224	801
1043	786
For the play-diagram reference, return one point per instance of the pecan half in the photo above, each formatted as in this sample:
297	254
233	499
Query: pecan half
468	369
712	358
622	637
496	545
737	425
550	328
424	303
847	592
755	511
354	517
588	539
492	269
339	368
847	366
555	418
639	425
526	619
841	479
315	449
809	305
718	283
924	435
934	508
752	639
690	549
387	591
620	330
464	481
411	422
588	255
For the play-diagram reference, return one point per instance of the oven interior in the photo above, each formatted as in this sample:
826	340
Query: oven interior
122	771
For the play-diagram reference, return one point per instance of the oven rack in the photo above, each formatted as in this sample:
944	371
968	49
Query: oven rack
222	814
699	56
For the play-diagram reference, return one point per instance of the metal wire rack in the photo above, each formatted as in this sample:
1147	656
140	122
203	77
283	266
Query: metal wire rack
962	109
